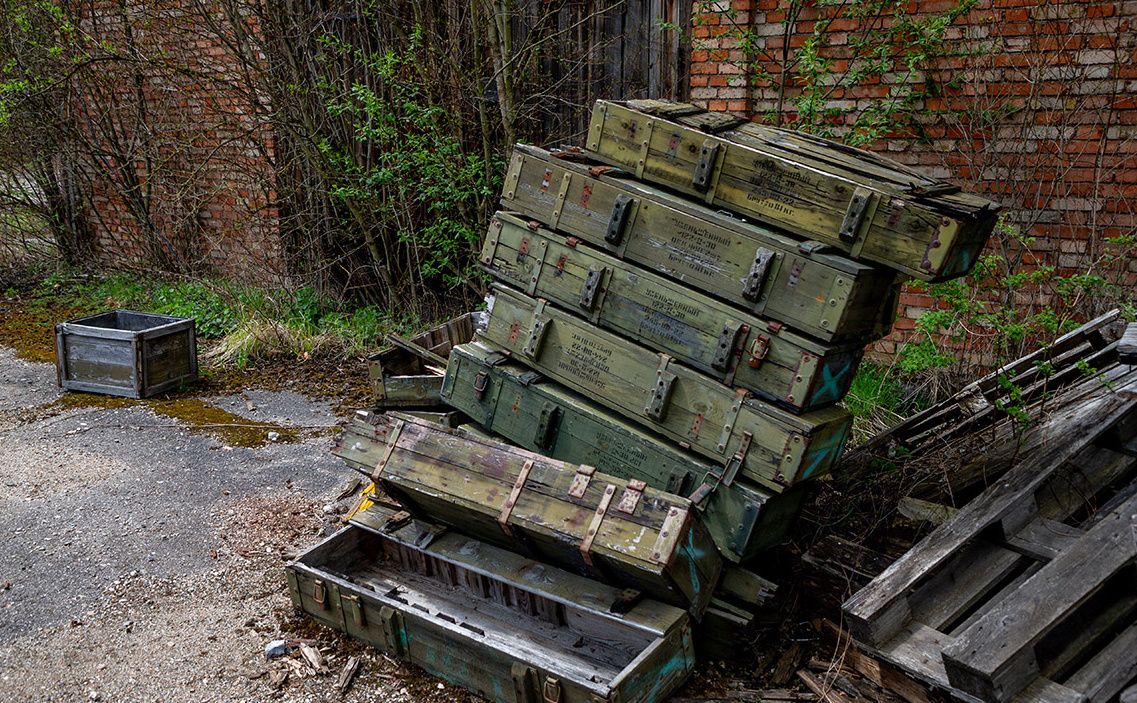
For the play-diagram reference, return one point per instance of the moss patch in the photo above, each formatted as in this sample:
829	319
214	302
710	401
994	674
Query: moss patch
199	416
29	327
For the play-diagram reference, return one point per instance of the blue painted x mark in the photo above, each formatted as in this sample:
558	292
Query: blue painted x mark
830	387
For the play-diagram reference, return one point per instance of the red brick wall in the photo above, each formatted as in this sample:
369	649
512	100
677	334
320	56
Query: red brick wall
1039	113
174	113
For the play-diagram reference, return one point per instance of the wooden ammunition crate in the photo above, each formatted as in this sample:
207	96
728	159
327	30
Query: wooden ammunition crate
871	207
760	441
132	354
752	267
737	348
615	530
408	374
742	518
508	628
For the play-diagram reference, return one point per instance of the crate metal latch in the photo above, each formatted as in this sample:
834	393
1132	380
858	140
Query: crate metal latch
619	219
757	277
661	391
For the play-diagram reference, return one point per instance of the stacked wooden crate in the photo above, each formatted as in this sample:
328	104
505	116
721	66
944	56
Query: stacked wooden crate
669	371
630	274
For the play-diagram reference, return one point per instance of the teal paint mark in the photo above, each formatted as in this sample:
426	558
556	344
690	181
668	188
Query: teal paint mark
828	451
830	387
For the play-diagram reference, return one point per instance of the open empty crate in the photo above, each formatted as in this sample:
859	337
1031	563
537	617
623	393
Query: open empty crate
506	627
126	353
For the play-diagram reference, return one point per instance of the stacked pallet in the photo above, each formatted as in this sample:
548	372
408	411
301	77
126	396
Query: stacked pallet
676	313
1025	593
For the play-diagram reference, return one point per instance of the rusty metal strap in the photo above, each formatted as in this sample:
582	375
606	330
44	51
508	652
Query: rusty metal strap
507	507
392	440
594	526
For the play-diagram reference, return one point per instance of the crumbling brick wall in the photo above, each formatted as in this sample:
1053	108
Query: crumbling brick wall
1039	113
178	155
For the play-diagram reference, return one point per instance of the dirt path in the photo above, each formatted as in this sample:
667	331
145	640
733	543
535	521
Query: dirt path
141	556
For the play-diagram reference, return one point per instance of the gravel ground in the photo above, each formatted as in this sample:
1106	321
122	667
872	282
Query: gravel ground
140	561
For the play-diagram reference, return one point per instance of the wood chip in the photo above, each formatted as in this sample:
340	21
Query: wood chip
347	674
314	659
276	678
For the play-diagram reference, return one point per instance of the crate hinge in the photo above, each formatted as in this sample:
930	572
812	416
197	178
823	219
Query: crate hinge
625	601
392	440
559	205
798	394
670	527
537	328
581	480
594	526
631	497
645	144
660	393
511	501
731	418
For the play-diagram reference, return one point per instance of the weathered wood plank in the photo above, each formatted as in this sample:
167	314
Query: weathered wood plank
994	659
751	267
739	349
863	204
1127	347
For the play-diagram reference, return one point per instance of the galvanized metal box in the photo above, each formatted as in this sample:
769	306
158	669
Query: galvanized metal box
121	352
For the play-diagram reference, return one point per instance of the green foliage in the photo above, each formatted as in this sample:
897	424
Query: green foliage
893	44
1003	308
419	182
880	396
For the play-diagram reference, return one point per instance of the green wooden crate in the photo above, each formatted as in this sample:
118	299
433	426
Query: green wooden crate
763	442
752	267
409	375
742	518
506	627
570	515
731	346
871	207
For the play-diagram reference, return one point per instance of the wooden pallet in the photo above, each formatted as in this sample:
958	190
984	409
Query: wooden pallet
1027	593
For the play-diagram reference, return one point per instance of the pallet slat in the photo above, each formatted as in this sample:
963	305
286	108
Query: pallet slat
994	659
